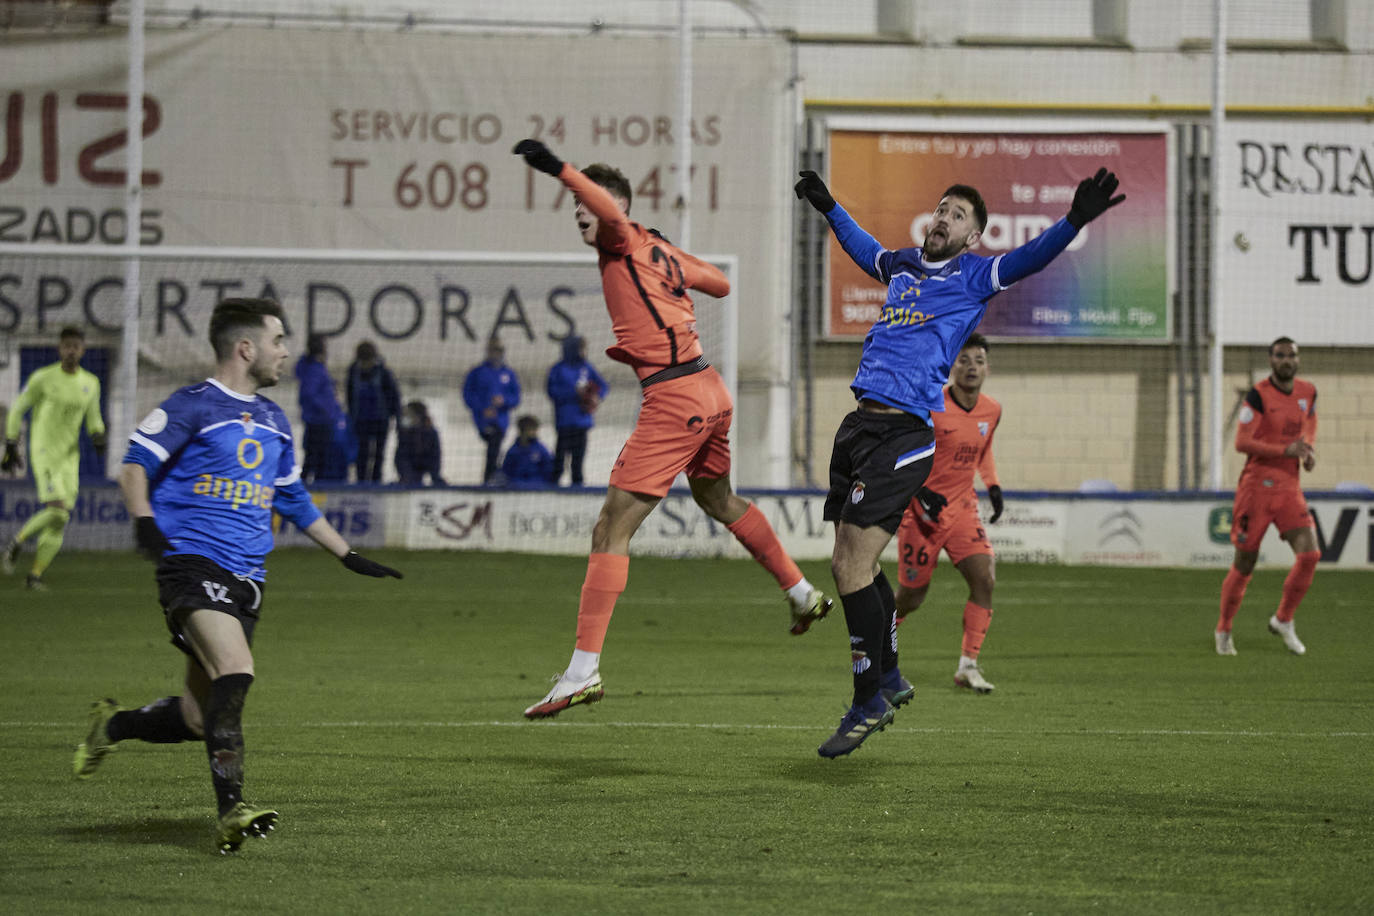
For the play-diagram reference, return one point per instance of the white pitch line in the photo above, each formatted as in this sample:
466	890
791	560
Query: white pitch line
723	726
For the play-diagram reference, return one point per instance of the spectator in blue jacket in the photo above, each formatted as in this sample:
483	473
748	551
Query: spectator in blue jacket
528	464
491	390
576	389
417	448
320	411
373	402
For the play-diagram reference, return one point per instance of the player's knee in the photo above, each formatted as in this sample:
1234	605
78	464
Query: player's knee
1307	560
58	516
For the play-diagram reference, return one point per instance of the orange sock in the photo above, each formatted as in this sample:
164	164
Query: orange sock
607	574
1296	584
976	622
1232	591
758	537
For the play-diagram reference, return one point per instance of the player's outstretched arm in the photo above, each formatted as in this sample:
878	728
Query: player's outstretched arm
323	533
538	156
1095	196
862	248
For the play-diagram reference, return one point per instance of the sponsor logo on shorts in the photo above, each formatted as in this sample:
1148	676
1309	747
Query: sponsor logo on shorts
856	495
1219	525
694	423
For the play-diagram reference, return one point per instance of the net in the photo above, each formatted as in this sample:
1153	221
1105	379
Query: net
429	315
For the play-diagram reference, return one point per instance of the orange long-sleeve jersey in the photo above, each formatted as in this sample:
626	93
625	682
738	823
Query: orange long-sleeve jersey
644	279
963	445
1269	420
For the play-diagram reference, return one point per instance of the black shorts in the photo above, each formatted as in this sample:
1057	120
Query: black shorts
878	463
186	583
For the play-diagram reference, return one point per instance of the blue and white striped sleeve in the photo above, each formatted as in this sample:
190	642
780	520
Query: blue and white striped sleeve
163	433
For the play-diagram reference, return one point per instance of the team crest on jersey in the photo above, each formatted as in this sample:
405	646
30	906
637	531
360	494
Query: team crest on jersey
247	419
1302	404
983	428
856	495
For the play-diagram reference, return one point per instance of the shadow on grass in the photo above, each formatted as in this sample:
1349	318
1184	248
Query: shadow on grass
188	833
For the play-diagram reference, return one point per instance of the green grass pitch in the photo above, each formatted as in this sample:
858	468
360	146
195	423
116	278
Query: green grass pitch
1120	766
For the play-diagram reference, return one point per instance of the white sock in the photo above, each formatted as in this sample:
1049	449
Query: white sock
583	665
966	662
799	592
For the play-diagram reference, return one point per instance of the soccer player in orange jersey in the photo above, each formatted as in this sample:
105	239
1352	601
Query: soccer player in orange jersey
684	419
1277	430
944	514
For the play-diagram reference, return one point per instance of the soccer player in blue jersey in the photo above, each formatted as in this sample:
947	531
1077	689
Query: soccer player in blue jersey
203	474
936	296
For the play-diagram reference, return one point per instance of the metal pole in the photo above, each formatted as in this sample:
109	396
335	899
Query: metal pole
133	218
1216	194
684	130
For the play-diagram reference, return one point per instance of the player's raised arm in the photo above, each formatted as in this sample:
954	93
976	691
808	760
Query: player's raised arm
703	276
1095	196
862	248
614	224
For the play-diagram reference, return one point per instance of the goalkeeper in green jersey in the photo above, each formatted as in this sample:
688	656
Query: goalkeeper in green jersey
62	396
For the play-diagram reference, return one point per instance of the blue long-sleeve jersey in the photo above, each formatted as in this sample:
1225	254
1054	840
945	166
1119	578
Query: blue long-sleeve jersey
484	382
931	309
219	463
564	385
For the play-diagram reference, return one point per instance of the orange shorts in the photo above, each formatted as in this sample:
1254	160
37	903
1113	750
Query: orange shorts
1256	508
683	425
959	532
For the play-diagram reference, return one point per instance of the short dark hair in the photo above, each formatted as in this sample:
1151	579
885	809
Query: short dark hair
970	194
234	316
314	344
71	330
1281	340
527	421
366	350
976	340
612	179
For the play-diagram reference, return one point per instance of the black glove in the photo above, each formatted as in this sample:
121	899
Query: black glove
152	543
995	497
813	191
1093	198
12	460
931	502
537	156
365	567
98	442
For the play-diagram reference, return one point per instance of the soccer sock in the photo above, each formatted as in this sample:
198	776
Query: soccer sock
160	722
863	613
1296	584
976	622
758	537
224	737
889	601
1232	591
49	539
38	522
607	574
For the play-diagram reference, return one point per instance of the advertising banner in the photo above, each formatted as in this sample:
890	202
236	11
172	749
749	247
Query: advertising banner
1297	243
99	520
1112	283
1196	533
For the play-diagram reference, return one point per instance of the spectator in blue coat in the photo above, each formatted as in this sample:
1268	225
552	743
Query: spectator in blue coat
576	389
417	448
373	402
528	464
320	410
491	390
